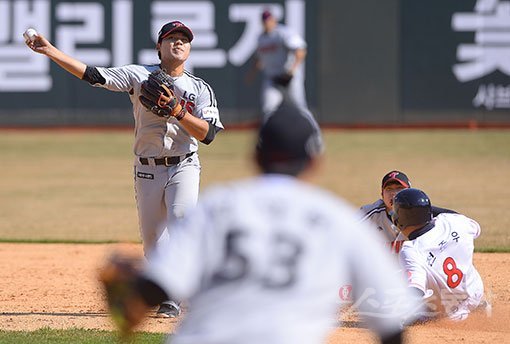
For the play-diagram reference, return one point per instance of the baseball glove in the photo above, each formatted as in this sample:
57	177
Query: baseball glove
126	305
157	95
283	79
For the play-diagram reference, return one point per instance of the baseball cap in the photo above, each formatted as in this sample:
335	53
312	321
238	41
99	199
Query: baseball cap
266	15
174	26
396	176
287	139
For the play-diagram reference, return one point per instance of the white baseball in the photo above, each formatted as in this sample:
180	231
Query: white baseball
30	34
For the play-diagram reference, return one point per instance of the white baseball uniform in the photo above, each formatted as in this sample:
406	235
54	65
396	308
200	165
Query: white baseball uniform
441	260
163	193
275	53
260	261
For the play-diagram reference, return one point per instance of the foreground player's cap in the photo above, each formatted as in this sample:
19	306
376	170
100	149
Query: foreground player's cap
174	26
266	15
288	136
396	176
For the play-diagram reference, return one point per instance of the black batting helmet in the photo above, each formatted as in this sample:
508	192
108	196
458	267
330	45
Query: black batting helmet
411	207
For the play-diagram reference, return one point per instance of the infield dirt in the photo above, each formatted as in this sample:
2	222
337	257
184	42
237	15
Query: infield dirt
54	285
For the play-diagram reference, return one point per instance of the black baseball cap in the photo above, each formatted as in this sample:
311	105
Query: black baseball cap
174	26
287	141
396	176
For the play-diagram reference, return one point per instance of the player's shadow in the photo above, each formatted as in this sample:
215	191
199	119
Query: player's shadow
84	314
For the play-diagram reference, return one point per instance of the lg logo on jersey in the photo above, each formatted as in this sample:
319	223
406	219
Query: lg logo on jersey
188	101
190	97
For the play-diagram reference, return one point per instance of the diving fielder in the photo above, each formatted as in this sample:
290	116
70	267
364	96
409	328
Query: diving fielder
166	164
379	212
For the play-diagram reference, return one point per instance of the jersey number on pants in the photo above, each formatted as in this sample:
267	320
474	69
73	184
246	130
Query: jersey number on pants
453	273
280	272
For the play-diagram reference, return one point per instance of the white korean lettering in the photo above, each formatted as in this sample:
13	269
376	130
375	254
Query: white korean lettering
492	96
491	51
20	69
247	43
122	28
200	17
5	21
91	31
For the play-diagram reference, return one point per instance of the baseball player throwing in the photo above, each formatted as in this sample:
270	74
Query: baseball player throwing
259	259
438	257
173	110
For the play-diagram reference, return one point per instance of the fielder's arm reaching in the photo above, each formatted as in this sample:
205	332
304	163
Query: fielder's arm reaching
196	127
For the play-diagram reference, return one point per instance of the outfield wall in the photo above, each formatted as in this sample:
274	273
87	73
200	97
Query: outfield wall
392	62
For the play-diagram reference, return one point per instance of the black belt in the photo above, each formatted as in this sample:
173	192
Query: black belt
167	160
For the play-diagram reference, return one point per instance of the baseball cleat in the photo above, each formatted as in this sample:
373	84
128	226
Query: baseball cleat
169	309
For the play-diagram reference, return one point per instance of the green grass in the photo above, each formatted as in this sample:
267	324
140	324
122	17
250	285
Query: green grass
76	336
78	186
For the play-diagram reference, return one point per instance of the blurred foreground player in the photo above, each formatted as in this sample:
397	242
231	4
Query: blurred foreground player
259	260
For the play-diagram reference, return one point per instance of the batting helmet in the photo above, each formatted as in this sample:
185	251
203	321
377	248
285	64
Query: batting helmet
411	207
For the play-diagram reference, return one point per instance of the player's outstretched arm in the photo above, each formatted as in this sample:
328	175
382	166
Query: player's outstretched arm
41	45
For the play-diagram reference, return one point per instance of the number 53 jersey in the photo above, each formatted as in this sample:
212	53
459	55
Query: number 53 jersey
260	261
440	263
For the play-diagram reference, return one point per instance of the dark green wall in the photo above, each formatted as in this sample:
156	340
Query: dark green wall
369	62
358	63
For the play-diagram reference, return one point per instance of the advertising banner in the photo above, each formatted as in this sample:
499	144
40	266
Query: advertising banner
455	55
121	32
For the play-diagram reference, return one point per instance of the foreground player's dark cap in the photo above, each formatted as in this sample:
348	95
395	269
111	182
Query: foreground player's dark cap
266	15
174	26
396	176
287	139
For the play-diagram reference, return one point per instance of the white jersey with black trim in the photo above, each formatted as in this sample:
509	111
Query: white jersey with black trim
261	260
274	50
156	136
441	260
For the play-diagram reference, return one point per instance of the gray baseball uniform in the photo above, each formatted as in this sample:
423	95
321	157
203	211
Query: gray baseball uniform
376	212
166	166
260	261
274	52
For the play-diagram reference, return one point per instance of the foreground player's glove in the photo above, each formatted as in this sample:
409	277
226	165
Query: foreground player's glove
119	278
283	79
157	95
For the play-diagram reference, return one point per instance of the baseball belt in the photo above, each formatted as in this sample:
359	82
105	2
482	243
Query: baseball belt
166	160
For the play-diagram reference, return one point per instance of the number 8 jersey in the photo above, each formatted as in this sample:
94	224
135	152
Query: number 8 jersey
439	262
